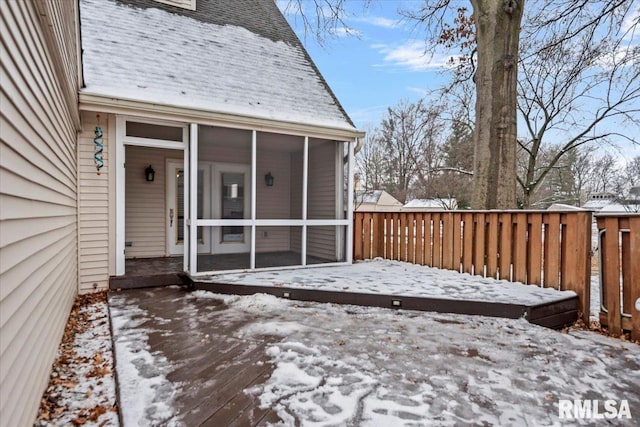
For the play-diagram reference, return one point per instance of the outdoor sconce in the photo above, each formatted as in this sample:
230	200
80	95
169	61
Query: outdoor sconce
150	174
268	179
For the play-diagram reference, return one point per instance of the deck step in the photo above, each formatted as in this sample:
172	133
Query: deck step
146	281
555	314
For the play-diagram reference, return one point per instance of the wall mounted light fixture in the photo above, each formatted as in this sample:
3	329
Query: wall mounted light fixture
268	179
149	174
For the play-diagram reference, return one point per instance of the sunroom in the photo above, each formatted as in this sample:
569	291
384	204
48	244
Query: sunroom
232	199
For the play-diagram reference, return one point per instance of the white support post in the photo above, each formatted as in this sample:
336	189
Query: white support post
305	182
186	182
119	163
254	186
193	199
349	239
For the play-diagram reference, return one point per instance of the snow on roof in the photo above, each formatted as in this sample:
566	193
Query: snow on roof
150	52
618	207
596	204
563	207
368	196
431	203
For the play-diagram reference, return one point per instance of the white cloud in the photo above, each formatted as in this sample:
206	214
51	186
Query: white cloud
345	31
377	21
419	90
368	116
412	55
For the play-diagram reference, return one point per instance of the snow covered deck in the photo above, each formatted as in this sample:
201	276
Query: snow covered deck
199	358
384	283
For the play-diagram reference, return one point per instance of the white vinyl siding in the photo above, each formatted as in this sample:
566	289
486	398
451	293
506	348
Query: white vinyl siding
322	199
145	204
273	202
296	200
38	200
93	202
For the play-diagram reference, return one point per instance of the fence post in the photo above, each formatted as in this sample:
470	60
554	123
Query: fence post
492	245
610	271
357	235
378	235
520	249
447	240
634	276
506	256
552	251
479	245
577	274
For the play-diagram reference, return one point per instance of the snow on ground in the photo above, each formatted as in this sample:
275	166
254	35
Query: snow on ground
381	276
81	389
146	396
594	303
349	365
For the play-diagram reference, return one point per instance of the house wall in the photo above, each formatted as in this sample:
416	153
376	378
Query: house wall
273	202
296	200
145	202
322	198
96	203
38	196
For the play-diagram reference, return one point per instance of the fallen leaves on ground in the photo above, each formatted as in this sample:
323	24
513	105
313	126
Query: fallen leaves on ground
81	388
595	326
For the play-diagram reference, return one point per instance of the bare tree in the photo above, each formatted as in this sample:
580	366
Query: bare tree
497	37
565	182
576	90
371	161
409	136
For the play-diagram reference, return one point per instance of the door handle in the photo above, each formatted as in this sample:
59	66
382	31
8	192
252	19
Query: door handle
170	217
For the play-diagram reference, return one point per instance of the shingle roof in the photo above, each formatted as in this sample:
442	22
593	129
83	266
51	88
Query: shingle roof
367	196
231	56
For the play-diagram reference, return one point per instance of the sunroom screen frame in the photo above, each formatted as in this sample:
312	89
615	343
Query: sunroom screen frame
254	222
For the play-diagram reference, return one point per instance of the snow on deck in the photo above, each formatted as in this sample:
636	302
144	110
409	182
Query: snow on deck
348	365
397	278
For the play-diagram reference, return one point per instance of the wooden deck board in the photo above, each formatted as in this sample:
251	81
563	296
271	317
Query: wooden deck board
213	367
216	366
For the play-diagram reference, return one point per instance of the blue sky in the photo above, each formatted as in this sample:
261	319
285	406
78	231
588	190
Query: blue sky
383	63
379	65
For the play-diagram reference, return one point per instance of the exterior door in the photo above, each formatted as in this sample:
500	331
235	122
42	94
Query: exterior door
175	207
231	200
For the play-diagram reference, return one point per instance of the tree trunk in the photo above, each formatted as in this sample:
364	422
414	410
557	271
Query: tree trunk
497	34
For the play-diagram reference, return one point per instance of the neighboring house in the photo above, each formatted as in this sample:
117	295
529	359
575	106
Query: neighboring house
376	201
201	128
596	201
610	202
430	205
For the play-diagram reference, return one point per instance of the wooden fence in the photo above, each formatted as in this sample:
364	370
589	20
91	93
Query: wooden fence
549	249
619	242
